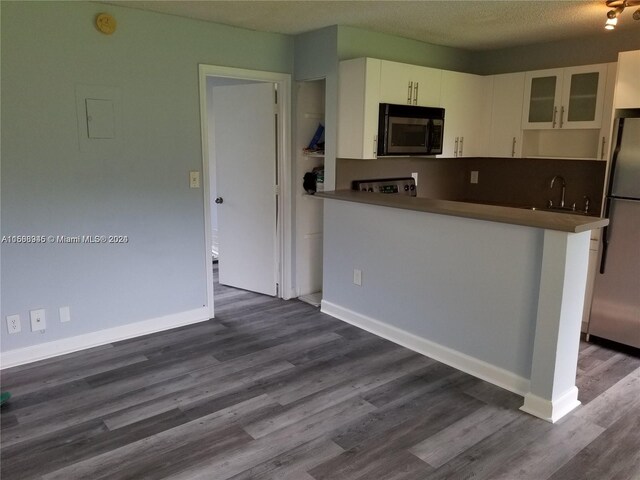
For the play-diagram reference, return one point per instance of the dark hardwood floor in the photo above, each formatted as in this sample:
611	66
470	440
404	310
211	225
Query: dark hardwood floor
273	389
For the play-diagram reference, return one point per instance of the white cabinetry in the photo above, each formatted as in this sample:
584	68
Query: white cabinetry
358	99
466	100
505	137
564	98
628	81
405	84
579	129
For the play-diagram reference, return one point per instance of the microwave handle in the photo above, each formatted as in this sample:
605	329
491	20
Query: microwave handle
430	130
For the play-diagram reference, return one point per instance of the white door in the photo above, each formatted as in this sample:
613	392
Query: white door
245	153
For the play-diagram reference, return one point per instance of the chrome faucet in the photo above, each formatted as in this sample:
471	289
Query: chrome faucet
564	186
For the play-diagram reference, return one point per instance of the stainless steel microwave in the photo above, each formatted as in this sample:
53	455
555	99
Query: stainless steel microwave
410	130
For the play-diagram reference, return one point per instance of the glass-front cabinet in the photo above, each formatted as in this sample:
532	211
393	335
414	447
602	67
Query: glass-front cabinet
564	98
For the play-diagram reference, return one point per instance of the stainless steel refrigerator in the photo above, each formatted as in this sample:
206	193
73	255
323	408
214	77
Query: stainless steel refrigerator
615	310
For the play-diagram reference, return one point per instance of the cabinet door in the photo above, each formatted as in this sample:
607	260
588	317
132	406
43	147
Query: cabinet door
505	137
627	84
427	86
396	83
607	114
583	96
404	84
543	90
466	100
358	99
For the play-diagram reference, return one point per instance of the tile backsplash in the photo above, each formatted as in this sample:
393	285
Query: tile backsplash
517	181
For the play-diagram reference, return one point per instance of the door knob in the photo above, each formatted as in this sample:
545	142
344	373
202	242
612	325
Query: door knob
219	200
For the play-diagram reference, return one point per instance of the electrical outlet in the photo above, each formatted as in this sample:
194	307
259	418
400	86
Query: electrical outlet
38	320
357	277
13	324
474	176
65	314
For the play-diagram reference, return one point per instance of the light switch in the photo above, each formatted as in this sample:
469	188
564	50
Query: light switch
100	118
194	179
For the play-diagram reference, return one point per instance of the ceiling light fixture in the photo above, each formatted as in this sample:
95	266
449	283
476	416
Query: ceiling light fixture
617	7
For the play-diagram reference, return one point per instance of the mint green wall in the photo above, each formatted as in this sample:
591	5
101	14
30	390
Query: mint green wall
50	188
602	47
356	42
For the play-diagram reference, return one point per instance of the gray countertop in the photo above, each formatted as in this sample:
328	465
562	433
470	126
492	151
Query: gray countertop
564	222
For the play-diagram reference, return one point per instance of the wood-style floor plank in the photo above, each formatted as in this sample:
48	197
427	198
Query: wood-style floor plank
275	390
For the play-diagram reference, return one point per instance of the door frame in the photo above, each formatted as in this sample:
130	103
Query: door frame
283	231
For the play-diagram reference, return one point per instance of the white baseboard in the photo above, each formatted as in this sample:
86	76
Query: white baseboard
548	410
42	351
478	368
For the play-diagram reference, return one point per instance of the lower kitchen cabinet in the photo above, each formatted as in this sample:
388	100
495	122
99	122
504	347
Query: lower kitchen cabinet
591	277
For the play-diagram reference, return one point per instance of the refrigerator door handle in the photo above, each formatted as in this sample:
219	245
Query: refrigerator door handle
605	247
606	235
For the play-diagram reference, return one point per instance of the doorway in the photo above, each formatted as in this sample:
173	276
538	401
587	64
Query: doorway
246	165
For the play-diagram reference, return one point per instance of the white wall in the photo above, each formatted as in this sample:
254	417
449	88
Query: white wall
50	187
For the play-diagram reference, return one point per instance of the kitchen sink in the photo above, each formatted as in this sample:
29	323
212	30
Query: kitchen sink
556	210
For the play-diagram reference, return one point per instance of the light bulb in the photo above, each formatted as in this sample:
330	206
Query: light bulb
611	23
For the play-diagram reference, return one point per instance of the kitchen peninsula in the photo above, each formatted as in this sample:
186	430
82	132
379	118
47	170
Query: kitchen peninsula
494	291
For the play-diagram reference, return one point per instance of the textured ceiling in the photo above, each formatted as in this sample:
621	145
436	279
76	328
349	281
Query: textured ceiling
472	25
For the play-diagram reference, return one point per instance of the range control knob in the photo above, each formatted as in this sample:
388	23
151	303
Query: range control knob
406	188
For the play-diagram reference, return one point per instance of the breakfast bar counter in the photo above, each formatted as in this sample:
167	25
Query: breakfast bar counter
494	291
564	222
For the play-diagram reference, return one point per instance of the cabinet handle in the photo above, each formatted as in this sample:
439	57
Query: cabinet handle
460	145
409	93
513	147
561	116
415	94
375	146
602	151
555	114
455	148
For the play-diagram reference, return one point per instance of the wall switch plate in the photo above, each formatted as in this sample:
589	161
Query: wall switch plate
65	314
13	324
357	277
194	179
38	321
474	176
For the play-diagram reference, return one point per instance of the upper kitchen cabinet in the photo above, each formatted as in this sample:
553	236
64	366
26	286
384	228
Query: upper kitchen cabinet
505	137
466	100
564	98
628	82
405	84
358	100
